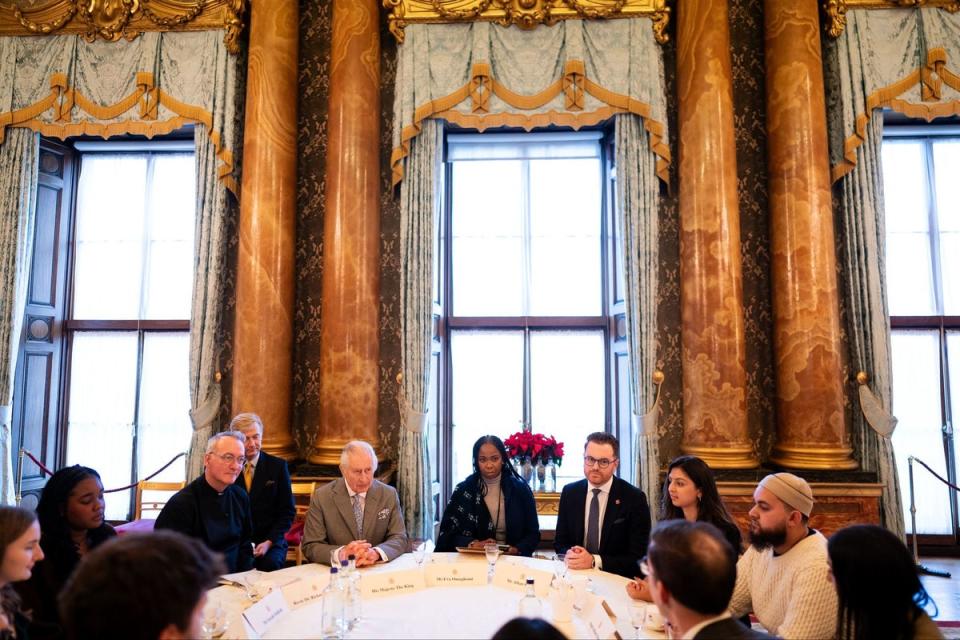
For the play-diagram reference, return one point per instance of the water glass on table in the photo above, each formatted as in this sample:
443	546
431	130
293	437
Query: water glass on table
492	551
419	552
214	619
638	616
559	567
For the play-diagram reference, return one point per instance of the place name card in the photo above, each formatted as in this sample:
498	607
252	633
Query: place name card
597	619
261	615
453	574
374	585
306	590
514	576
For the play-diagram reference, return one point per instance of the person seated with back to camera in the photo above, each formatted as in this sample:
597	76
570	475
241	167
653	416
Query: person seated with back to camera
493	505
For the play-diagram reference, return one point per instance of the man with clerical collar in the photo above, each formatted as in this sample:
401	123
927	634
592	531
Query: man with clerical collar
603	521
266	480
355	514
212	508
691	570
783	576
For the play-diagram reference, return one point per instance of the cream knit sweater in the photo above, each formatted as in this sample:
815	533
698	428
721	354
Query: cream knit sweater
790	594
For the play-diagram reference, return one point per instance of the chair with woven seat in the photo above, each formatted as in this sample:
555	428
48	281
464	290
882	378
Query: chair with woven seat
301	498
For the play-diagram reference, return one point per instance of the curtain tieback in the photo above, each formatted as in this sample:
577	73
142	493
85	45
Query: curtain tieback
647	423
414	421
6	414
879	419
204	414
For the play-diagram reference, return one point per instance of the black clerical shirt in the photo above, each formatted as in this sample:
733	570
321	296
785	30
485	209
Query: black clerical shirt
221	520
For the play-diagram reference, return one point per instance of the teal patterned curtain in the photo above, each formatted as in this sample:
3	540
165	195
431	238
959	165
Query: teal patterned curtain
637	208
18	192
420	199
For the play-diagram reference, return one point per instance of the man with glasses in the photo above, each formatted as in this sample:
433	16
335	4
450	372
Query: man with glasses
212	508
603	521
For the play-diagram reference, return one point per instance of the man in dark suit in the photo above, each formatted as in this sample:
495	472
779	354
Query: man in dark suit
607	526
267	481
691	570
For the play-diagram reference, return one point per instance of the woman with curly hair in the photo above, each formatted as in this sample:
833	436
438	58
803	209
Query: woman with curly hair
71	515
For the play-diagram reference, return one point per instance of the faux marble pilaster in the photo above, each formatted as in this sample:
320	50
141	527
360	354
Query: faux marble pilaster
263	340
811	433
349	335
711	294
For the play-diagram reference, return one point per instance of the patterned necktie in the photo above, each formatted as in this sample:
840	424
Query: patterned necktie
358	514
593	524
248	476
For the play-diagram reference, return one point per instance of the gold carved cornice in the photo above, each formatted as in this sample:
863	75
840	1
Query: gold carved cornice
526	14
114	19
836	10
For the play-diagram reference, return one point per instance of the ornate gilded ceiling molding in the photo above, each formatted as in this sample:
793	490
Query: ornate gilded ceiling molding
836	10
114	19
526	14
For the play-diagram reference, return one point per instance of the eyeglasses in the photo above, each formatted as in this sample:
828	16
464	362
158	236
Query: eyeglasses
603	463
229	458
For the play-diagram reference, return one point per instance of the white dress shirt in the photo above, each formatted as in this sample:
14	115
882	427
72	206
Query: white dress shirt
602	499
363	502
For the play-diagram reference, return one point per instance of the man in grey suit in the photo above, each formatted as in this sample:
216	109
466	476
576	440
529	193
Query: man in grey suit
355	514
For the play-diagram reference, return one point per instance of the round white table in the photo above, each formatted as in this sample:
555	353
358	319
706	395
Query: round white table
434	612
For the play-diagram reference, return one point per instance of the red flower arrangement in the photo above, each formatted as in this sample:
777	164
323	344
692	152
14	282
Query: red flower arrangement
535	447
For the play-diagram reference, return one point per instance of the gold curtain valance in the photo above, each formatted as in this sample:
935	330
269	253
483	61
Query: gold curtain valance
931	77
573	84
63	100
112	20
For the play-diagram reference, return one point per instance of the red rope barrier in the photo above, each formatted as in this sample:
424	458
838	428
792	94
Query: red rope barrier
129	486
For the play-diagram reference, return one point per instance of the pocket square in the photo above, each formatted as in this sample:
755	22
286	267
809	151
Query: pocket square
383	513
270	483
619	520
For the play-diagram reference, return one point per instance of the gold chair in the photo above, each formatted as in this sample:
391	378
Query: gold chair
153	505
301	499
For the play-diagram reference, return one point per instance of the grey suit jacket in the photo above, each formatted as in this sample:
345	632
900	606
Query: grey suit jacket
331	524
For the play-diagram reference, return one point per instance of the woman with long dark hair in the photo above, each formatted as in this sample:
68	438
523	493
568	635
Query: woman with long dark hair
690	493
492	505
71	515
19	550
879	593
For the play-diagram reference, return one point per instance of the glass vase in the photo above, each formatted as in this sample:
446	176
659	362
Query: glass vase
550	481
526	472
541	477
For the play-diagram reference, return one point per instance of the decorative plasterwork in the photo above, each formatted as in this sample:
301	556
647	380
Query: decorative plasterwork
836	10
114	19
526	14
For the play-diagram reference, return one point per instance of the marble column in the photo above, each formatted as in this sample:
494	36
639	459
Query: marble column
711	290
811	433
263	339
349	335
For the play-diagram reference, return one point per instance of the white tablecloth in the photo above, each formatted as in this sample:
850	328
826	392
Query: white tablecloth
435	612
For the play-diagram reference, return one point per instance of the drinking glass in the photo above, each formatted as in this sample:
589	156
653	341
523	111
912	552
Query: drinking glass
418	553
491	551
638	617
214	619
559	566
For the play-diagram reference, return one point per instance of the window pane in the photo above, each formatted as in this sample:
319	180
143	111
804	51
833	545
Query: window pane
953	357
946	159
486	237
487	379
109	237
567	392
565	256
950	272
905	186
164	419
916	402
910	275
103	375
169	269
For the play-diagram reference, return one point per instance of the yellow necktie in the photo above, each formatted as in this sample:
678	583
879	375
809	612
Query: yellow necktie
248	476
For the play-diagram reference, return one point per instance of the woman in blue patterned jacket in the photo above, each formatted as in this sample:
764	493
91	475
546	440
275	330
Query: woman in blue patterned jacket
492	505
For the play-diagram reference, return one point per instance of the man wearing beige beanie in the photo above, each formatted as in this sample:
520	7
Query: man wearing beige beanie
782	578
